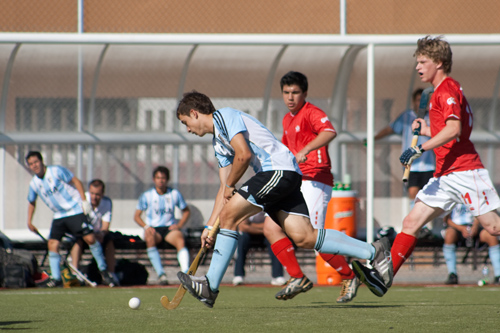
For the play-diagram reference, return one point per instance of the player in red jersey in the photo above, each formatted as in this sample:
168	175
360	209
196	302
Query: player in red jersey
460	176
307	132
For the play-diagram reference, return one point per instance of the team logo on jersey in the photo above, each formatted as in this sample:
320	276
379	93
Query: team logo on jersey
297	128
451	101
324	120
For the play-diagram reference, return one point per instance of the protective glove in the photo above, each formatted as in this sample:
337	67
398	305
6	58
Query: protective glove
410	154
87	207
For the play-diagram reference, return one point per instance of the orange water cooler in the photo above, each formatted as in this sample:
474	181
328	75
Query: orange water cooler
340	215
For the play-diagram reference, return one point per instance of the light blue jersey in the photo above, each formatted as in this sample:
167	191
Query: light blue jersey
268	153
402	126
103	212
461	215
160	209
55	191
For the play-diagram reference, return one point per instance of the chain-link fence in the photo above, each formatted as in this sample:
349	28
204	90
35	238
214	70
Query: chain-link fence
258	16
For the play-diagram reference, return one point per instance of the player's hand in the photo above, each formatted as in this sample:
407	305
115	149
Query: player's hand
411	154
174	227
207	241
301	157
32	228
86	207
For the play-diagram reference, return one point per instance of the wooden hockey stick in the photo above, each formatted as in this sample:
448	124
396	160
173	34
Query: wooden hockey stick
179	295
424	101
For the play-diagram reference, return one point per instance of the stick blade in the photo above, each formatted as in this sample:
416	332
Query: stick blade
174	303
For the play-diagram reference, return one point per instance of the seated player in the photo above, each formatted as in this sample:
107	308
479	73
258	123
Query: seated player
158	204
461	225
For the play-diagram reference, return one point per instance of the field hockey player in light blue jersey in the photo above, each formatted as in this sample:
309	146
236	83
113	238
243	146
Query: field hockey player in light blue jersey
63	193
241	141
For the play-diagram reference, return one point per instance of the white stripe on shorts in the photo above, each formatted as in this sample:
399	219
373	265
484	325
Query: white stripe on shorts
278	174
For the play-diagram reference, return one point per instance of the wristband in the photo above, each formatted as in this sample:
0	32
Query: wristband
209	227
229	186
421	149
146	227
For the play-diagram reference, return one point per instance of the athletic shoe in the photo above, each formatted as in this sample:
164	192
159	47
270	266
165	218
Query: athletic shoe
237	280
452	279
382	260
496	280
49	283
294	287
349	290
278	281
162	280
198	287
107	278
370	277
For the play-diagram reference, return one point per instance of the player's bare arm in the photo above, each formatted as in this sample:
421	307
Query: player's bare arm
138	219
241	161
79	187
31	212
450	132
321	140
185	216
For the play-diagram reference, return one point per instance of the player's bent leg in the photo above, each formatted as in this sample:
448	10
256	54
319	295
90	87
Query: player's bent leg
490	222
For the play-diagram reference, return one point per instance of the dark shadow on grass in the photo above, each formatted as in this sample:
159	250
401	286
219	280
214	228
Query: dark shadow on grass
324	305
6	323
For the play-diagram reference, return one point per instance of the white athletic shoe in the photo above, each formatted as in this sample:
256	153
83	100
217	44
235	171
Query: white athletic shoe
278	281
237	280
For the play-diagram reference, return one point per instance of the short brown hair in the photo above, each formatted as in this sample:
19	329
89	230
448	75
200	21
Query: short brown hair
437	49
195	101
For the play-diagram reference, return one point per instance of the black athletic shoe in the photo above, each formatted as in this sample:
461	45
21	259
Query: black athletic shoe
108	278
370	277
452	279
50	283
198	287
382	261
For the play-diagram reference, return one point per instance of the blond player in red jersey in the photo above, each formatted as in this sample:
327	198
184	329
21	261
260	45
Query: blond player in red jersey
307	132
460	176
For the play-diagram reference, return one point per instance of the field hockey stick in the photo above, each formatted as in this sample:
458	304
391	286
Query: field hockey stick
80	275
73	268
424	101
47	249
179	295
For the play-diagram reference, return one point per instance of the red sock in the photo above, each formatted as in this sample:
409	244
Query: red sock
339	263
401	249
285	252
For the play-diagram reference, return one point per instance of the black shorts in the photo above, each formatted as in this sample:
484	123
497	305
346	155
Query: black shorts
75	225
163	231
419	179
274	191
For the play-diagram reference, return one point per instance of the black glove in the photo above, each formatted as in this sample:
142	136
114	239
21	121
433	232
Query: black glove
410	154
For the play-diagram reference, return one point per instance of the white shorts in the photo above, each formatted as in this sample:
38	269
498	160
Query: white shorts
317	196
472	188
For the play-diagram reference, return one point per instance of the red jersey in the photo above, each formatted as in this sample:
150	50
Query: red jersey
449	102
302	128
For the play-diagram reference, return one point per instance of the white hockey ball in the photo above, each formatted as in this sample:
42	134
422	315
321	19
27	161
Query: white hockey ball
134	303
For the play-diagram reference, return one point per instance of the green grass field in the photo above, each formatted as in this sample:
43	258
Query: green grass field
253	309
